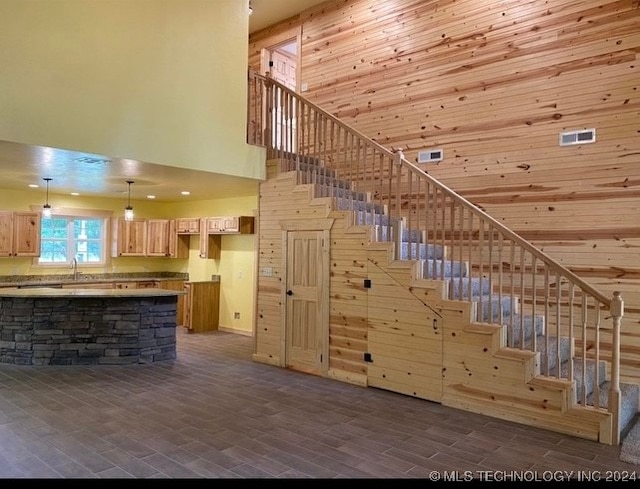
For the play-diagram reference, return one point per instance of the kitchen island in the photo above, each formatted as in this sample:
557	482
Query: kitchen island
51	326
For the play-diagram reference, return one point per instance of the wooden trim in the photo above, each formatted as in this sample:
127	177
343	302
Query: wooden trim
307	225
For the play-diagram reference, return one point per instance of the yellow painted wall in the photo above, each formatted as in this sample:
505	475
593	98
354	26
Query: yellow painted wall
161	81
235	266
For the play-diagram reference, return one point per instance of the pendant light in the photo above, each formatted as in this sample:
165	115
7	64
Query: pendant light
46	209
128	211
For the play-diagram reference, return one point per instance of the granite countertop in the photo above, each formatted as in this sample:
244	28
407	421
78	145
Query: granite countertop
52	292
86	278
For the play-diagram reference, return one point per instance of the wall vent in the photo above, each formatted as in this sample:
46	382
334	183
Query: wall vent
430	155
577	137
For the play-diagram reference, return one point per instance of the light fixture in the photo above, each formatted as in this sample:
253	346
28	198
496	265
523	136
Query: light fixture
46	209
128	211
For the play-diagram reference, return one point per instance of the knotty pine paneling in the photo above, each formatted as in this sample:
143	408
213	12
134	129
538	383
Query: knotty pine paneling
493	84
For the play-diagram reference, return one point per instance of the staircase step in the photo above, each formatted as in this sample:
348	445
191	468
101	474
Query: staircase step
577	375
328	183
459	287
433	268
515	326
408	235
341	193
488	307
356	205
629	402
549	352
310	165
420	251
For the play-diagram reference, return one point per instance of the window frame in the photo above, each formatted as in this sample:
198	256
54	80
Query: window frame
73	213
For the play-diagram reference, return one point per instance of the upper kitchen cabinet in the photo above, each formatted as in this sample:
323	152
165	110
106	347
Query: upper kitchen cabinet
188	225
230	225
129	237
19	233
163	239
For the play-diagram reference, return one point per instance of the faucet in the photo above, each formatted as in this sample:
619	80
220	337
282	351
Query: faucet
74	265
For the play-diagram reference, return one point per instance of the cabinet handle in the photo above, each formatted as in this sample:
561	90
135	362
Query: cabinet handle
289	292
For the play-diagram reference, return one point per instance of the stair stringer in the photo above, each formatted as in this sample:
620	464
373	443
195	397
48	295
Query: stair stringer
482	375
479	373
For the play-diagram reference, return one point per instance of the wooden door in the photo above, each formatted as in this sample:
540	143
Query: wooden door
307	285
283	67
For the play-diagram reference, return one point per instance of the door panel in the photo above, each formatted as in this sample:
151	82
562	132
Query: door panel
304	311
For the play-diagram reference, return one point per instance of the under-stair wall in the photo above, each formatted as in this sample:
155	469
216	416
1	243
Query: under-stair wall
391	328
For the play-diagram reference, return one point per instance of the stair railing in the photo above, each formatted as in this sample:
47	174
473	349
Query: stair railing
542	306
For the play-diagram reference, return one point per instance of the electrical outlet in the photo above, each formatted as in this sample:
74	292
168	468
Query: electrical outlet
236	315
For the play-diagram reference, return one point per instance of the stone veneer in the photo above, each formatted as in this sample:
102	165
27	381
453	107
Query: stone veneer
87	330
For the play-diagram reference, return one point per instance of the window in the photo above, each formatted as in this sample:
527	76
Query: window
64	238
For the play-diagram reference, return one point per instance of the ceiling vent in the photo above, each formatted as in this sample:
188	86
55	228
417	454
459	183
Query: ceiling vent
430	155
577	137
90	160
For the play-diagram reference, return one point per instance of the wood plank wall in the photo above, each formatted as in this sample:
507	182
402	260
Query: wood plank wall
493	84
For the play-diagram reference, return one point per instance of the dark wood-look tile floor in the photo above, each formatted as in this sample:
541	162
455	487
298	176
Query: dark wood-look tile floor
215	413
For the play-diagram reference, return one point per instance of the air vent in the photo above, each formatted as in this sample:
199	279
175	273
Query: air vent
430	155
90	160
577	137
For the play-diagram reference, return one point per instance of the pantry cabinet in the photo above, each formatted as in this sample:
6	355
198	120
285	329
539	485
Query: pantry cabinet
20	233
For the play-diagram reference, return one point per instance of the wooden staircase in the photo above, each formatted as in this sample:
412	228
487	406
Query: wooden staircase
429	296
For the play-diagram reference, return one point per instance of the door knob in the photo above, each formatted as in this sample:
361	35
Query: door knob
289	292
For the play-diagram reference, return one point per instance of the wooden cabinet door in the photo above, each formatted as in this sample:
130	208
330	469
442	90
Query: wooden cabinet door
210	244
26	228
188	305
130	237
158	237
188	225
230	225
215	225
6	233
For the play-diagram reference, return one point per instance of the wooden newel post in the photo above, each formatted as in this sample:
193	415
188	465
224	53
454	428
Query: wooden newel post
617	311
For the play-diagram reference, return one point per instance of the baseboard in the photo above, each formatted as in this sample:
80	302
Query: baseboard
242	332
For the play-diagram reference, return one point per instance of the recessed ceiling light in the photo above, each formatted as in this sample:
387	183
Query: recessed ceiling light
33	185
185	192
151	196
75	193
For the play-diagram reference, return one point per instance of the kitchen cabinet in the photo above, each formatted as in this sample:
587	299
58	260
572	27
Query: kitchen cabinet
20	233
230	225
148	284
210	244
93	285
125	285
201	307
129	237
188	225
163	239
158	237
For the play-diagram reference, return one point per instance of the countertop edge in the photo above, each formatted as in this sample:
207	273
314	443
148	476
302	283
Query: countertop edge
45	292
